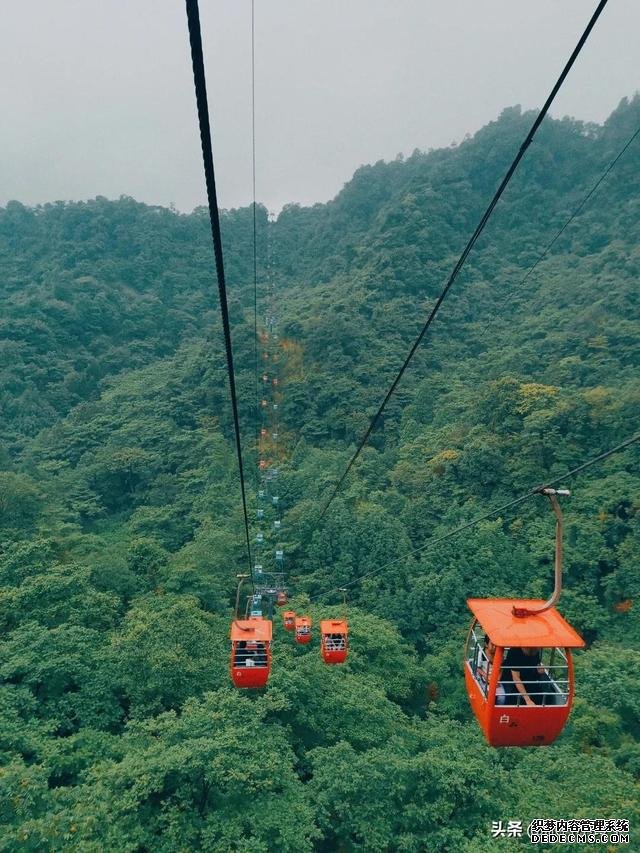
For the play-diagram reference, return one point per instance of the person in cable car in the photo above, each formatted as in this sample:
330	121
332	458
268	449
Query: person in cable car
260	655
335	642
240	653
525	679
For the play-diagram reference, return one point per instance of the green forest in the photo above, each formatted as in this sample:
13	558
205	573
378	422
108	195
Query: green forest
121	526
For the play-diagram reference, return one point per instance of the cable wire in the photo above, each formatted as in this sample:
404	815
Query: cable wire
197	61
255	242
536	490
472	241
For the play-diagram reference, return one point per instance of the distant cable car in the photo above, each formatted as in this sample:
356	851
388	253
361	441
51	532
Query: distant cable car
274	500
334	640
265	379
262	494
264	403
289	620
263	464
263	432
259	514
274	436
277	524
255	607
303	629
281	598
279	556
257	569
260	539
518	668
250	662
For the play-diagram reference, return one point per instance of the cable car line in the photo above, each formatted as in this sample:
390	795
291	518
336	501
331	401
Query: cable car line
470	244
255	242
534	491
197	61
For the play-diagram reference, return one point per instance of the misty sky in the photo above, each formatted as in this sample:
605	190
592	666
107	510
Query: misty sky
97	95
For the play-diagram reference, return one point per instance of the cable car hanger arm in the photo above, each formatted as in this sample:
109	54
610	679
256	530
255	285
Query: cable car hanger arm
552	494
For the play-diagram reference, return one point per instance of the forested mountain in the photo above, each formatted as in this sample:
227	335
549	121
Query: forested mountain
121	530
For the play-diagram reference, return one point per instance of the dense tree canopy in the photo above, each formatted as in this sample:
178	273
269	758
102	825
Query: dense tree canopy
121	530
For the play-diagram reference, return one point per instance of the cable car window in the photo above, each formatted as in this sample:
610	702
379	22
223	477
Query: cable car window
476	658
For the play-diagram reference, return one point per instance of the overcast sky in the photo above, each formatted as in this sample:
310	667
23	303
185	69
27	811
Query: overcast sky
97	95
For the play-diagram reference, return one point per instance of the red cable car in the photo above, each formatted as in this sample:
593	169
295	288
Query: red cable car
518	669
334	640
508	717
250	662
289	620
281	598
303	629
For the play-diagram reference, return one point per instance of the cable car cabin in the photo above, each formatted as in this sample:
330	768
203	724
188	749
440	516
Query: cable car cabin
334	640
289	620
517	702
250	652
303	629
281	598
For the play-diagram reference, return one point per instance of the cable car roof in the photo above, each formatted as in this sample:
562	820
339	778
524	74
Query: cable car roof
541	630
334	626
251	629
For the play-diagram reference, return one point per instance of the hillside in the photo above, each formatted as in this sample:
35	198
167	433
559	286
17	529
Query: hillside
121	529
